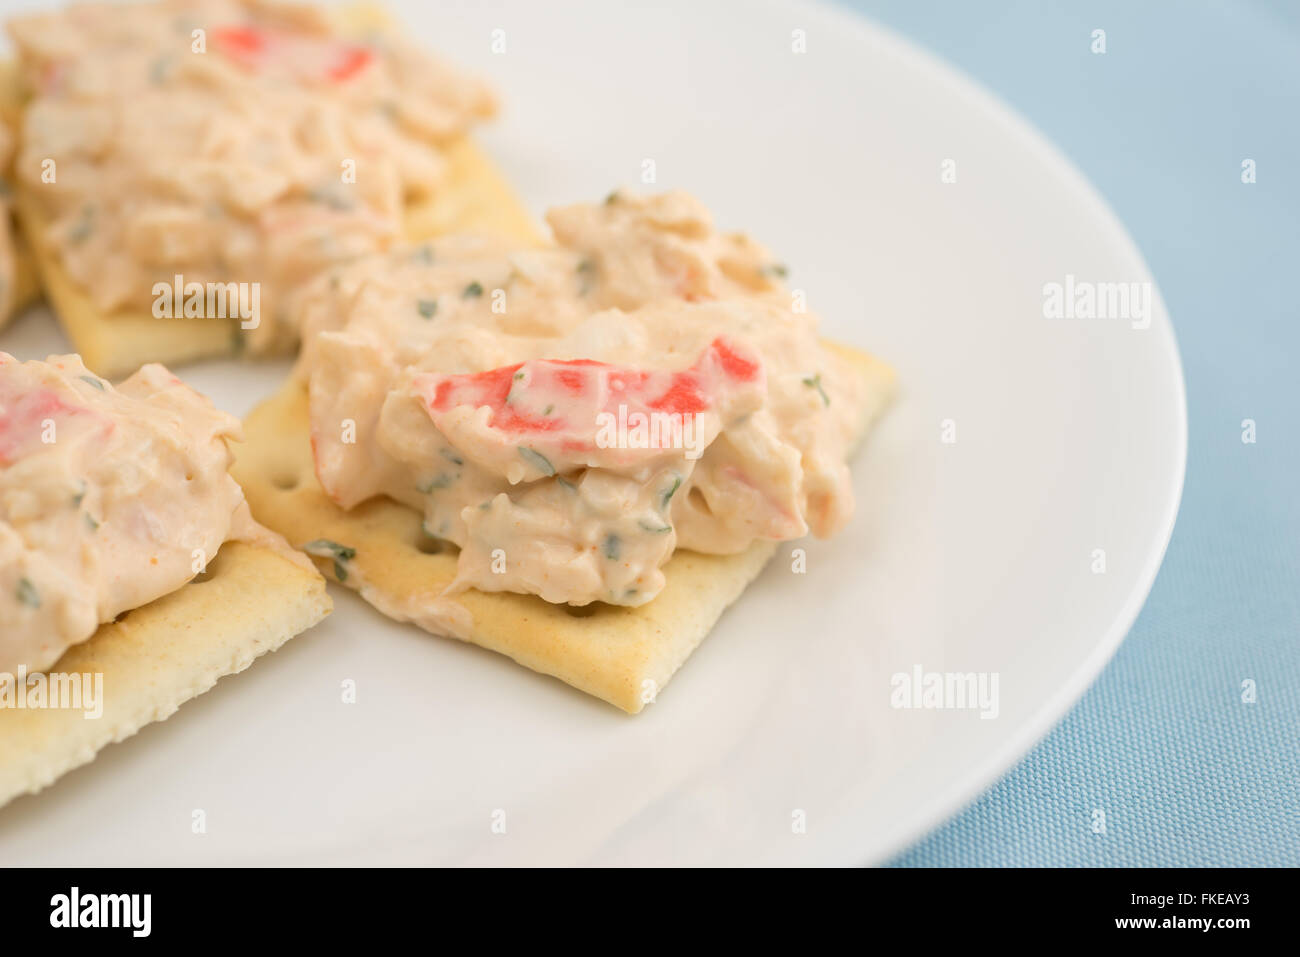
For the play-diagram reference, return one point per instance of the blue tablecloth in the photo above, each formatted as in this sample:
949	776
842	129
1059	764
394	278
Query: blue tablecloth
1188	773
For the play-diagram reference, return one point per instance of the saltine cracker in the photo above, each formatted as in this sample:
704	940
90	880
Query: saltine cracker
623	655
153	659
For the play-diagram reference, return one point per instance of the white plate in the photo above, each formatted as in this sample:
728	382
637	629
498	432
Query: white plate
973	556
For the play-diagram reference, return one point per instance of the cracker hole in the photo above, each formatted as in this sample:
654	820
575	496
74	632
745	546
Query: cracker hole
208	573
285	481
427	544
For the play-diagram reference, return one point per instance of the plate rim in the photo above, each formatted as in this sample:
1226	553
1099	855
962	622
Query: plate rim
854	841
933	811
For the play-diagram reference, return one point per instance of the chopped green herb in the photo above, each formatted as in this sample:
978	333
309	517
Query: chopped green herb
565	483
775	269
611	546
537	460
442	481
159	69
518	376
342	554
452	457
80	494
586	276
92	522
427	307
81	232
612	198
90	379
27	594
815	382
646	526
324	548
668	495
548	410
473	290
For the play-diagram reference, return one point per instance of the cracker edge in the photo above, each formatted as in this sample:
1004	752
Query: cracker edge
608	654
27	287
475	197
161	655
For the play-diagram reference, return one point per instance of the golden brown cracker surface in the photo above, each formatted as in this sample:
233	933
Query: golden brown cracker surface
155	658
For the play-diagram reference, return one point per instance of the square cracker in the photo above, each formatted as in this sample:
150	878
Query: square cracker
475	198
155	658
26	287
615	653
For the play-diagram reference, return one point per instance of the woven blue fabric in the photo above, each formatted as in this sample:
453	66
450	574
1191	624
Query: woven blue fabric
1186	772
